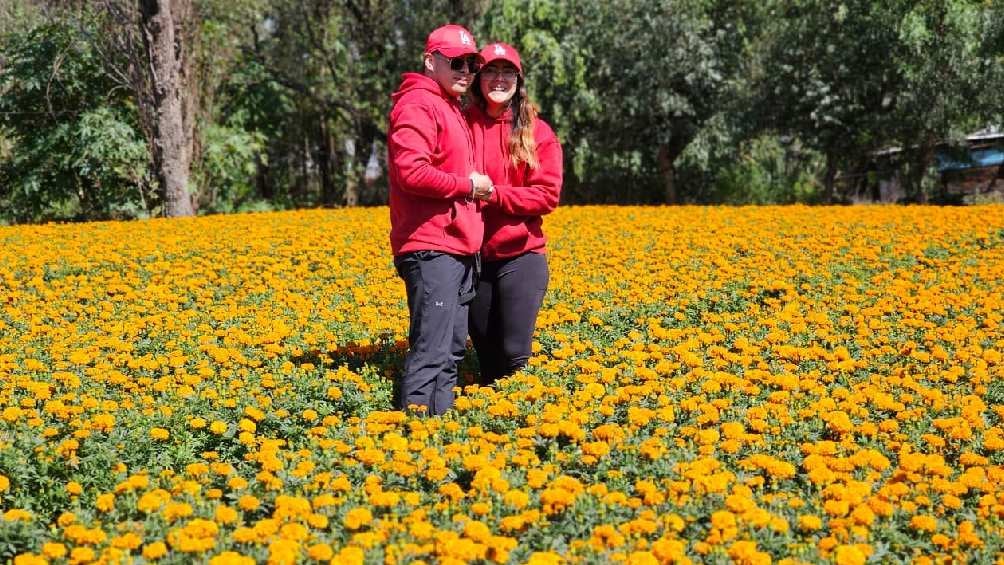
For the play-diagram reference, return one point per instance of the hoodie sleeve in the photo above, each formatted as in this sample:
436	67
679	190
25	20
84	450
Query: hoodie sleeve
543	185
413	142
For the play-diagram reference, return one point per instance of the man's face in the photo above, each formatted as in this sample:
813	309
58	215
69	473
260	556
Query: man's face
454	75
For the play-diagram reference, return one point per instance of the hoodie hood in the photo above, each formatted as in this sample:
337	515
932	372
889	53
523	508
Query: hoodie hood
411	82
479	113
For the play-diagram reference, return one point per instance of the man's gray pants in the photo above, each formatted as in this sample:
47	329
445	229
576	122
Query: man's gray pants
440	288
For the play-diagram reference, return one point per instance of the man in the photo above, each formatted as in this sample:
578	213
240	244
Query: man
436	225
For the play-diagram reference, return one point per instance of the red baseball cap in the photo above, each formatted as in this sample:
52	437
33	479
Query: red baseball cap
501	51
452	41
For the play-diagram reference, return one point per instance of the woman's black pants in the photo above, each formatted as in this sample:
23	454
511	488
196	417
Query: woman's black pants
504	313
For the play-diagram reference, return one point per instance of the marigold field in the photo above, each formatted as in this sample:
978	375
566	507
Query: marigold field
746	385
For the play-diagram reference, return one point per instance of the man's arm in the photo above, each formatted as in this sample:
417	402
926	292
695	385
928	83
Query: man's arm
412	141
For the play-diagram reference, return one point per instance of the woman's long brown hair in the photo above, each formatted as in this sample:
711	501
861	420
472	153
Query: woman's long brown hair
522	146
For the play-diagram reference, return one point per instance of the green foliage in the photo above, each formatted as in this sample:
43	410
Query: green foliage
765	171
74	149
857	76
228	166
683	100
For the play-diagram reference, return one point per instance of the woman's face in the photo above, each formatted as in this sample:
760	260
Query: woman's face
498	82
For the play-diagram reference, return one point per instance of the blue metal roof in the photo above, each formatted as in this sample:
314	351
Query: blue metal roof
978	158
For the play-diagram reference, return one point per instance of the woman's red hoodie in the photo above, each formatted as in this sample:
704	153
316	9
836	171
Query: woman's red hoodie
522	195
431	156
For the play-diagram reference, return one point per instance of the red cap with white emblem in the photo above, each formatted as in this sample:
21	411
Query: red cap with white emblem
452	41
501	51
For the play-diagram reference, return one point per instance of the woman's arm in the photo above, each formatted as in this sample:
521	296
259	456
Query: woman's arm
542	187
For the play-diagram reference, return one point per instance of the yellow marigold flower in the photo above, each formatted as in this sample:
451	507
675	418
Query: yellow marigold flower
723	519
839	422
357	518
545	558
30	559
225	515
231	558
74	488
350	556
477	531
248	502
105	502
153	500
283	552
128	540
295	532
809	523
318	521
642	558
53	550
217	427
669	550
320	552
850	555
12	413
245	535
175	510
837	507
863	515
154	550
4	483
746	553
967	535
16	514
65	519
739	503
924	523
159	434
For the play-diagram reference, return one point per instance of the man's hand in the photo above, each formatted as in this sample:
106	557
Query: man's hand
482	186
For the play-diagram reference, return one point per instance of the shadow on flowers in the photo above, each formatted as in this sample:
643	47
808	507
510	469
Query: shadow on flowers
367	373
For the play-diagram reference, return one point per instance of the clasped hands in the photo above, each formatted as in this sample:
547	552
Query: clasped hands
481	186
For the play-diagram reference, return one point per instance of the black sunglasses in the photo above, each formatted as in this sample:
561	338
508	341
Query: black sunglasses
458	64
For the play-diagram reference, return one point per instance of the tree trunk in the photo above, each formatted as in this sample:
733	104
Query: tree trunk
325	163
351	174
666	158
829	180
371	175
262	179
918	168
171	140
668	171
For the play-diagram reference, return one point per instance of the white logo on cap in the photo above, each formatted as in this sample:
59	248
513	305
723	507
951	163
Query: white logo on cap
499	50
464	38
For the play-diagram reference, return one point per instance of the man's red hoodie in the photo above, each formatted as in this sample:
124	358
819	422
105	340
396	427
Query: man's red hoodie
522	195
431	156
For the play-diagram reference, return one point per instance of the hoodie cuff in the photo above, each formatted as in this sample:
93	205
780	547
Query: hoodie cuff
461	187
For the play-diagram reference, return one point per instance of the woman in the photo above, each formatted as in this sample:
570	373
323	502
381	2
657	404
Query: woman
522	156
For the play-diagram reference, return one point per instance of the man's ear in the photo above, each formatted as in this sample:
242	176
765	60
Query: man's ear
427	60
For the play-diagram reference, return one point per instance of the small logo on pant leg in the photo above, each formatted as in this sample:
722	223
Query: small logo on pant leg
440	304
